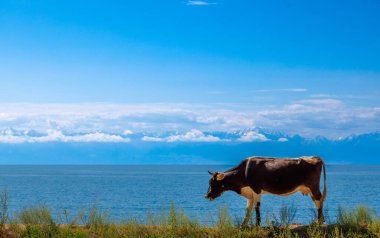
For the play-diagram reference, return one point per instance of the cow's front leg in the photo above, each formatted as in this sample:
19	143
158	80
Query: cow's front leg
252	199
248	212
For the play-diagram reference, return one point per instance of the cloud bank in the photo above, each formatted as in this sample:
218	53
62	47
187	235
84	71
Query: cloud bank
98	122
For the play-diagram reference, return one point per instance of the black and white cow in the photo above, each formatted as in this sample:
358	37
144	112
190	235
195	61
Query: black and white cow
263	175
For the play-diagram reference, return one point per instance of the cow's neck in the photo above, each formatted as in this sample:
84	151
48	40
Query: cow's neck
234	180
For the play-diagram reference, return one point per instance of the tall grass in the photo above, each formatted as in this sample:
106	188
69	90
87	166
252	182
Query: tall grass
3	207
66	218
39	222
224	219
36	216
361	217
285	216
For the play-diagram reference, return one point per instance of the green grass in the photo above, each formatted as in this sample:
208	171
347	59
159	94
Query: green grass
361	217
360	222
285	216
36	216
38	222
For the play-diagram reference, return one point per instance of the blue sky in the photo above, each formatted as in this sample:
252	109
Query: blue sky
102	68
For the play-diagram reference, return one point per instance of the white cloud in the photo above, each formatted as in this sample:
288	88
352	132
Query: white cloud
195	136
281	90
152	138
253	136
92	137
7	136
321	95
282	139
325	117
199	3
7	117
190	136
12	139
127	132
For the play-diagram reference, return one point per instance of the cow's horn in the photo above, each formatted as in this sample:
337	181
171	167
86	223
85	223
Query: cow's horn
209	172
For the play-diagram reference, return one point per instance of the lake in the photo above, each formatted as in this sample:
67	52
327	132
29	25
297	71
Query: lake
132	191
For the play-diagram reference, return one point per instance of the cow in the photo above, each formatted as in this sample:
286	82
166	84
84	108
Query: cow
258	175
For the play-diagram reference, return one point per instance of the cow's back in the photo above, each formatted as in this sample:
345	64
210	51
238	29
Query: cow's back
280	176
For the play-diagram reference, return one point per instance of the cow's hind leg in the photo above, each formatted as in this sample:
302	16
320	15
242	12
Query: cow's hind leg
257	200
316	196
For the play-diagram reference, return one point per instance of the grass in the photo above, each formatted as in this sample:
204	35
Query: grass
285	217
36	216
3	208
361	217
39	222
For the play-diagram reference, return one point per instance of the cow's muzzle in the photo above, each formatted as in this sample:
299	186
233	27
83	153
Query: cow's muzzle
209	198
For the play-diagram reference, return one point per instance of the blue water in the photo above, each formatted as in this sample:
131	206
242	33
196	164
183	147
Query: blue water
132	191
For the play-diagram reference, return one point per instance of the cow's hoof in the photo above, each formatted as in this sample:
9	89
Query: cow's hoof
244	226
319	221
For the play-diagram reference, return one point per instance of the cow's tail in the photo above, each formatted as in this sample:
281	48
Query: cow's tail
324	193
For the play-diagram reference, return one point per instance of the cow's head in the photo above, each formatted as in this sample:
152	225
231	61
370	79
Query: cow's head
216	186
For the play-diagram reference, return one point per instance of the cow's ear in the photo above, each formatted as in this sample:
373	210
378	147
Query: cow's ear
219	176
